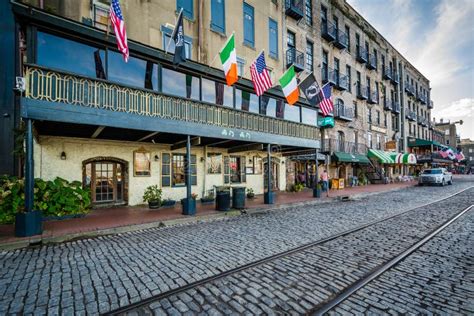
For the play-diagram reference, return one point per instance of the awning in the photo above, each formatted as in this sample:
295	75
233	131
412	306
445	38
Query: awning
423	142
347	157
407	159
380	155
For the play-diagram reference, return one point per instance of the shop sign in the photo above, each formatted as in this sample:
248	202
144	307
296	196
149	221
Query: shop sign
232	134
391	145
377	129
327	121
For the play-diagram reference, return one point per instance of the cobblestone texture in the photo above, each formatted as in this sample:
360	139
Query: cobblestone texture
436	279
104	273
296	283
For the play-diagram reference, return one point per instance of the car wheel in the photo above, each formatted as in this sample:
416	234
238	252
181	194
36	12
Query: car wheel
443	183
420	184
450	182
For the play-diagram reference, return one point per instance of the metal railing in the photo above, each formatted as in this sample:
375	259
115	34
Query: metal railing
332	145
361	91
371	61
361	54
46	85
328	30
387	73
342	39
344	112
295	57
294	8
387	104
395	107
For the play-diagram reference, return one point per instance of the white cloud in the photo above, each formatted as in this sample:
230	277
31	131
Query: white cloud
462	109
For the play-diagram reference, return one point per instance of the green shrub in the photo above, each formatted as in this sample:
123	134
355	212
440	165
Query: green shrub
54	198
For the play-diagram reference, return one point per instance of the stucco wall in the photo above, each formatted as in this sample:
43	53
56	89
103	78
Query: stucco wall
48	165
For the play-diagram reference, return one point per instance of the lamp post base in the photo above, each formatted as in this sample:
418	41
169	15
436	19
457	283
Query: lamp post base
28	224
269	197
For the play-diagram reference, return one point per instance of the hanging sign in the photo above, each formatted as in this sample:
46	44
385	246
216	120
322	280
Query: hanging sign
327	121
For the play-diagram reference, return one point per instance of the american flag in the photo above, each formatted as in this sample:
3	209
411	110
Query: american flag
326	104
119	28
260	76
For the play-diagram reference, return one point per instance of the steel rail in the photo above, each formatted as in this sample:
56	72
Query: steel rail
376	272
189	286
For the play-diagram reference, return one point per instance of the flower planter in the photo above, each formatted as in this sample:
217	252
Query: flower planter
28	224
154	204
317	193
269	197
250	196
189	206
207	201
169	203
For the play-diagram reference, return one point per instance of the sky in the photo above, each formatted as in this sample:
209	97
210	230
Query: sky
437	37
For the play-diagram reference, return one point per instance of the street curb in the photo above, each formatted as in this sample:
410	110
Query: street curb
44	240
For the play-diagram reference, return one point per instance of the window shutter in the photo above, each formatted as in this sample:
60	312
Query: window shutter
193	170
273	37
226	170
218	15
187	5
165	170
248	25
243	173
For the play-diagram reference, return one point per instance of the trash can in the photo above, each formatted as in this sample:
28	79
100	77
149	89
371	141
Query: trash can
223	200
238	197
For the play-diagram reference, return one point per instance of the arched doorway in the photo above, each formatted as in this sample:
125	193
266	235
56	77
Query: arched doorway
275	165
107	178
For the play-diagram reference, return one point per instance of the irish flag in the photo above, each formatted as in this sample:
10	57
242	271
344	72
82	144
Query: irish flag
289	86
229	61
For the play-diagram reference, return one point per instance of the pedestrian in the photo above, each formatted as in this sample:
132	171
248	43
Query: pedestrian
325	179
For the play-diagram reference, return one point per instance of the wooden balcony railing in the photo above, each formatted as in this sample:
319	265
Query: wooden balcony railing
53	86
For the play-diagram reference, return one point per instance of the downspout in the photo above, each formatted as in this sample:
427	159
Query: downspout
205	172
200	29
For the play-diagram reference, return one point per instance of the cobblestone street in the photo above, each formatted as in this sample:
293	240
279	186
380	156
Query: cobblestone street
98	275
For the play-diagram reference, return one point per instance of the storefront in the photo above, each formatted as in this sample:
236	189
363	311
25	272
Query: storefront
348	168
302	169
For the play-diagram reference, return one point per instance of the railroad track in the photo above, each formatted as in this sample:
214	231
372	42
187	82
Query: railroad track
331	299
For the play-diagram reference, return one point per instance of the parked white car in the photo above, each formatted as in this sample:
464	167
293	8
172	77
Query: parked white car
439	176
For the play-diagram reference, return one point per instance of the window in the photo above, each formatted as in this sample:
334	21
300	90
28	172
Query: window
178	170
292	113
349	78
357	43
447	141
273	37
236	168
240	66
348	32
141	163
324	15
379	145
257	165
356	109
308	12
367	50
470	150
137	72
369	140
309	116
249	27
217	93
324	68
187	5
246	101
180	84
378	117
369	116
375	59
309	56
214	163
340	141
267	106
188	42
100	15
336	70
446	132
218	15
377	91
60	53
385	119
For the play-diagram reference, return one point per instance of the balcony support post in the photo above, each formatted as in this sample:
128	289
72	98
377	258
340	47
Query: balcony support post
188	203
268	196
316	190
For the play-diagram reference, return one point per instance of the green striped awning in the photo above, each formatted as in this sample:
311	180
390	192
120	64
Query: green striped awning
380	155
407	159
347	157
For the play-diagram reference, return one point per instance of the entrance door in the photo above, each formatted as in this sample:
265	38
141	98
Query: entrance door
106	181
275	176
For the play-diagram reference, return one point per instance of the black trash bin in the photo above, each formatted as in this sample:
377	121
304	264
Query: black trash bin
223	201
238	197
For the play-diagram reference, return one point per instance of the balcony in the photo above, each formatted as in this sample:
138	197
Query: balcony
394	78
53	95
295	58
430	104
419	96
371	61
332	145
294	9
419	119
342	39
387	73
387	104
395	107
361	91
431	125
410	115
425	122
329	75
361	55
343	112
342	83
328	31
422	98
372	96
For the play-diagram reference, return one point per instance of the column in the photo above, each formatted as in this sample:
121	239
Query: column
29	167
316	176
268	196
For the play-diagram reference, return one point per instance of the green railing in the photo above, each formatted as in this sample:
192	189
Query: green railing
53	86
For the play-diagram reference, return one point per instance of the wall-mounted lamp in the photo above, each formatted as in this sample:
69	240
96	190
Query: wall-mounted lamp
157	158
250	160
63	156
282	162
202	159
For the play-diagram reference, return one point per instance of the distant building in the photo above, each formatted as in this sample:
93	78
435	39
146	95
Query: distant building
467	147
448	129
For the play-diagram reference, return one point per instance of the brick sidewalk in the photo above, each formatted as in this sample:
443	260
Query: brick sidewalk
115	220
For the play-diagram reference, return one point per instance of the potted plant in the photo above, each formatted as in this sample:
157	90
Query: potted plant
250	193
152	195
168	202
209	198
189	205
317	190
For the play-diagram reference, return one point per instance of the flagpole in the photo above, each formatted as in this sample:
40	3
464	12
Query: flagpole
171	38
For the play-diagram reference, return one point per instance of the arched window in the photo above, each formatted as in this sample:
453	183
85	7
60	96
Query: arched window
340	141
339	108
